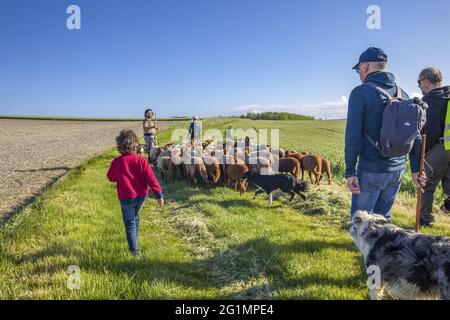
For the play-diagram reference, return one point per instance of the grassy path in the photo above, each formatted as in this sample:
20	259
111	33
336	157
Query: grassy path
206	243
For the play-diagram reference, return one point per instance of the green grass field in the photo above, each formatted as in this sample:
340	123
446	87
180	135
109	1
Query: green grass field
204	244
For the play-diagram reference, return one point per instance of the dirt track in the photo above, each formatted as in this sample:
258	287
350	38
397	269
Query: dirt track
35	153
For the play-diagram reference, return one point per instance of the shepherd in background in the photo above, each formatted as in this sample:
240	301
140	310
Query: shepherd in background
195	130
150	129
438	142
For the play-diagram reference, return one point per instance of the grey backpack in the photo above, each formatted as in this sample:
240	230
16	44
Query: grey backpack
402	122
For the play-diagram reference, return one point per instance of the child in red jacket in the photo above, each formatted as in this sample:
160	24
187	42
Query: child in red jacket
134	176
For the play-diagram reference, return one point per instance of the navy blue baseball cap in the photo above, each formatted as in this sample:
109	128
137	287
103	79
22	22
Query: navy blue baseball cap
372	55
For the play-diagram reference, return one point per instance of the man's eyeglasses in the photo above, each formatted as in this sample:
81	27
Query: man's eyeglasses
357	69
419	81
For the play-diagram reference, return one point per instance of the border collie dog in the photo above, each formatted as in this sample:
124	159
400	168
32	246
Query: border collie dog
270	183
411	265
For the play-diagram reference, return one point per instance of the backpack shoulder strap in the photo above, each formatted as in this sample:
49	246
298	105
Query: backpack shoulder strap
399	93
381	90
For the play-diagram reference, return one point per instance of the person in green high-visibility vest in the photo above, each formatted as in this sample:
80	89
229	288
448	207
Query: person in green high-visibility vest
437	130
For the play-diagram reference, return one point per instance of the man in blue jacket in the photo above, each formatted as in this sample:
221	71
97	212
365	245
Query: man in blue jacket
373	180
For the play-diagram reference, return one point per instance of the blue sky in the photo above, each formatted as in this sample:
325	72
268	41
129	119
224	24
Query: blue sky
206	57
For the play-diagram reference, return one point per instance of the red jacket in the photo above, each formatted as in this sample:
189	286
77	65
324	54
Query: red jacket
134	176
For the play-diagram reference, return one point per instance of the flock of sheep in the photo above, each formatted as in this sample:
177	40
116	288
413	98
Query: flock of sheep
225	163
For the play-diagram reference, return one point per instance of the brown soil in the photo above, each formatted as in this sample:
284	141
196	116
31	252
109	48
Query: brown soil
35	153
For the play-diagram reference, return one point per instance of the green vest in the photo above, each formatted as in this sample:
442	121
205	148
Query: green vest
447	128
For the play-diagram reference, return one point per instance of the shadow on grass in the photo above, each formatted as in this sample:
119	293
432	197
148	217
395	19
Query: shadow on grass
183	191
233	266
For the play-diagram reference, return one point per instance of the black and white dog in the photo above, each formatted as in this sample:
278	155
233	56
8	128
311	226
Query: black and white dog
270	183
411	265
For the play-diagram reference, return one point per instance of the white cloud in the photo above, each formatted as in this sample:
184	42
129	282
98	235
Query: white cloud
324	110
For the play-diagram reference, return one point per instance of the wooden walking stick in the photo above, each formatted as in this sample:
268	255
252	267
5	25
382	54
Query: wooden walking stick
419	191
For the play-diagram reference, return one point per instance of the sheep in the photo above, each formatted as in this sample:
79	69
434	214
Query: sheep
312	163
299	157
278	152
196	165
153	154
212	168
227	160
156	152
233	160
289	165
141	148
206	143
260	165
164	166
262	153
326	168
176	165
234	175
287	153
262	147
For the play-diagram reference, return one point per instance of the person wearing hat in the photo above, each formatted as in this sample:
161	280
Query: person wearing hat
374	180
195	130
150	129
436	128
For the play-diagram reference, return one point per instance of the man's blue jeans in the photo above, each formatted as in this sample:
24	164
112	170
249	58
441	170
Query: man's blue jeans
130	213
378	192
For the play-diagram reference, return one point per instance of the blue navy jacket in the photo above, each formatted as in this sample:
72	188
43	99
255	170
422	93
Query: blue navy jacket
365	114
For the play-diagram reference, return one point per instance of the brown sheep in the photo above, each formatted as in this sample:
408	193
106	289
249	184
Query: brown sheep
234	175
164	166
287	153
206	143
141	149
176	166
227	160
156	152
312	163
289	165
153	154
297	156
212	168
326	168
196	165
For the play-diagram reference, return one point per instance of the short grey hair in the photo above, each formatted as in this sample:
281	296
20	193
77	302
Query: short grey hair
378	65
433	74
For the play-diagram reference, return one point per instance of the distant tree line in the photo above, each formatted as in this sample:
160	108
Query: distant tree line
275	116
